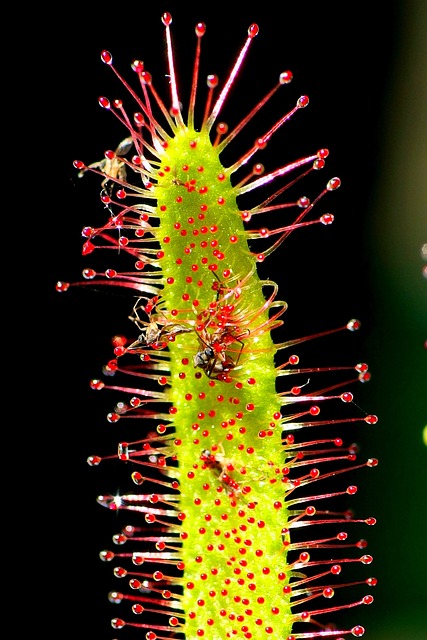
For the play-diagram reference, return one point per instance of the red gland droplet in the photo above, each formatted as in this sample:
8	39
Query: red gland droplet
372	582
117	623
323	153
334	183
285	77
327	218
372	462
106	57
200	29
353	325
106	556
88	247
167	19
253	30
62	286
104	102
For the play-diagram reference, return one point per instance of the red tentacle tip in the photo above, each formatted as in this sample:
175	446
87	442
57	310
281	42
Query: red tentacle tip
106	57
253	30
167	19
62	286
200	29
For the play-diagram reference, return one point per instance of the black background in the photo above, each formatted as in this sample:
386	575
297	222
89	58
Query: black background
344	56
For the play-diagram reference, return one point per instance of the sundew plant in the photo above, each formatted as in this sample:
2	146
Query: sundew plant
238	523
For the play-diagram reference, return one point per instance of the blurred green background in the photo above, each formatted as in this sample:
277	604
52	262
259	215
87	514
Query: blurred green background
396	230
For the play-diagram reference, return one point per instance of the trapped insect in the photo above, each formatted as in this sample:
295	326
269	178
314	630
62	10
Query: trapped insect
220	466
157	331
112	165
213	357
